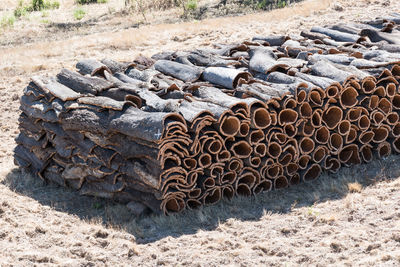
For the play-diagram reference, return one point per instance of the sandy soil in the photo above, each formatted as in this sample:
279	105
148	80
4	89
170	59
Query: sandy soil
352	218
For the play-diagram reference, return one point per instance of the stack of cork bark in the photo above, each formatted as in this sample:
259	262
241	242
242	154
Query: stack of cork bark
184	129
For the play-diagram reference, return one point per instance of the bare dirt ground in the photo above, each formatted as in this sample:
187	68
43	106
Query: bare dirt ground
351	218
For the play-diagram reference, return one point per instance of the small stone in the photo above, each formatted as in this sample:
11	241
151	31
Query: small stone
14	97
372	247
337	7
336	247
101	234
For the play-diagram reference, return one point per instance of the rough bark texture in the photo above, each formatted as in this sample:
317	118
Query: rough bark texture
189	128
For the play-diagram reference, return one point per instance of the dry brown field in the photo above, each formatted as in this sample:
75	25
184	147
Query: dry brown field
351	218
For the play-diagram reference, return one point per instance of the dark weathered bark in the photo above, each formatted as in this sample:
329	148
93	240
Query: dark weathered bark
225	77
56	89
377	36
337	35
199	58
264	60
144	76
272	40
177	70
103	102
115	66
327	70
82	84
92	67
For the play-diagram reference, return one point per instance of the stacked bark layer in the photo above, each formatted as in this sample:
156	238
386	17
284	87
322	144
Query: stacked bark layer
183	129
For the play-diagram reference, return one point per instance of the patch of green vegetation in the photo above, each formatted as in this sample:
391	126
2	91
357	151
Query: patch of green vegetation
281	4
262	4
191	5
84	2
45	14
79	13
35	5
45	21
311	212
21	10
7	21
52	4
268	4
38	5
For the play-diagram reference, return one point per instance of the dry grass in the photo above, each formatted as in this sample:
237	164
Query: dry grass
148	5
313	223
354	187
316	223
